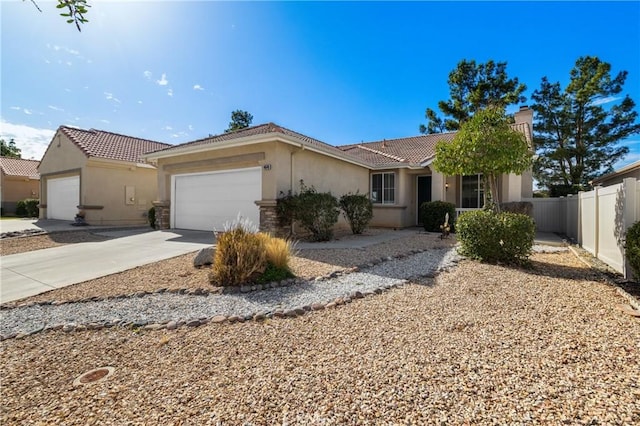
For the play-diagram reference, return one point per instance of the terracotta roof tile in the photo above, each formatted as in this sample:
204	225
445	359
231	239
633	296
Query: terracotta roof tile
262	129
19	167
113	146
411	150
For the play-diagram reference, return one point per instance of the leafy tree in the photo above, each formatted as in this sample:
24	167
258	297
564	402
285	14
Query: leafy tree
239	120
485	144
10	149
577	129
473	87
74	11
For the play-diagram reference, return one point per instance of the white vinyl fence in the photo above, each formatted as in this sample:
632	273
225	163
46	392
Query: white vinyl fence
597	220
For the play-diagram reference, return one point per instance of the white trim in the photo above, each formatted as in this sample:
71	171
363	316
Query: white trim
395	188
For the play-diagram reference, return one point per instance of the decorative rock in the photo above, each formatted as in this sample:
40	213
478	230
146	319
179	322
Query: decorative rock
68	328
218	319
261	316
245	289
291	313
204	257
300	311
331	305
194	323
154	327
317	307
357	295
279	313
81	328
234	319
172	325
94	326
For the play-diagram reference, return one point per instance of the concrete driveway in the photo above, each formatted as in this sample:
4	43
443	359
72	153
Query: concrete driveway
53	225
27	274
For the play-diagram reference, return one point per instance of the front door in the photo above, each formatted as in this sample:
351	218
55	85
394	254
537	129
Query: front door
424	194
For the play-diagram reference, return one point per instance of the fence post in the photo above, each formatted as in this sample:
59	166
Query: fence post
629	216
596	221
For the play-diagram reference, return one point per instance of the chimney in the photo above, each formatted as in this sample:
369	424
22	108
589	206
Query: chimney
384	143
525	115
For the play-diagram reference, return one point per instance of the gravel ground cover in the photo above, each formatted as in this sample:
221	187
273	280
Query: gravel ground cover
480	344
24	244
179	273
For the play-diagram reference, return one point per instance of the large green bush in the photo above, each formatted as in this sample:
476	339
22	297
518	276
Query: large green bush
490	237
28	207
432	215
358	210
317	212
632	248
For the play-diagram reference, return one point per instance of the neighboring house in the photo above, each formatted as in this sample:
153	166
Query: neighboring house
100	173
630	171
20	180
208	182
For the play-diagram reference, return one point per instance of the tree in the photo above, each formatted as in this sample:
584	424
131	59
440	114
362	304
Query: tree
485	144
473	87
10	149
75	11
577	130
239	120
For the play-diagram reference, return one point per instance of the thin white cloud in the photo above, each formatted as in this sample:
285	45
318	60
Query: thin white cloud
163	80
139	102
32	141
17	108
110	97
46	61
27	111
197	87
147	75
190	127
55	108
167	128
170	92
606	100
105	121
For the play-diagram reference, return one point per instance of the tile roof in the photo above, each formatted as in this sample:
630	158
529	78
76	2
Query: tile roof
20	167
262	129
412	150
113	146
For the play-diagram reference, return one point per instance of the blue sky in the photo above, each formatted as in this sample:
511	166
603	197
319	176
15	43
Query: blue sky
341	72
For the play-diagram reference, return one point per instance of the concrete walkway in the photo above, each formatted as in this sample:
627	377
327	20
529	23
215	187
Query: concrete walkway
53	225
27	274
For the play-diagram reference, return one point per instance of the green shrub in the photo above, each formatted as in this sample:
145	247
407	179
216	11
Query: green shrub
317	212
432	214
358	210
521	207
490	237
28	207
273	273
151	216
632	248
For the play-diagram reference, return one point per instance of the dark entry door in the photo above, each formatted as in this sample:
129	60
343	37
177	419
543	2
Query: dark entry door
424	193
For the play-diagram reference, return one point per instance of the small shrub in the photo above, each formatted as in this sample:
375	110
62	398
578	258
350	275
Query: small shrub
520	207
432	214
632	248
240	255
274	273
490	237
277	251
151	216
286	208
28	207
358	210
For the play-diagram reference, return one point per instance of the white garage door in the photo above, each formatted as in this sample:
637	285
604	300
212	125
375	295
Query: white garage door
206	201
63	197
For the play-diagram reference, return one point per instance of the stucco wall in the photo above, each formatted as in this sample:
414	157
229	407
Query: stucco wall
16	188
116	193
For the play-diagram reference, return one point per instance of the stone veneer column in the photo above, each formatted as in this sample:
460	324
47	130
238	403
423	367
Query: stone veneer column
163	211
269	219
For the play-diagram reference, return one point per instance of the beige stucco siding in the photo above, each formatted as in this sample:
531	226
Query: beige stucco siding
114	193
16	188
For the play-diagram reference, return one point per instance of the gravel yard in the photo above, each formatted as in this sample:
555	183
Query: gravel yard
17	245
478	344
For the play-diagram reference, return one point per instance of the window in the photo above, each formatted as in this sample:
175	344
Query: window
472	192
383	188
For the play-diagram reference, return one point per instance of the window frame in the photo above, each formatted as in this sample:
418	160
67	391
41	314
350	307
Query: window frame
479	190
382	200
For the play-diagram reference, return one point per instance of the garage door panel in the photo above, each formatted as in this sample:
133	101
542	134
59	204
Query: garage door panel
207	201
63	196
